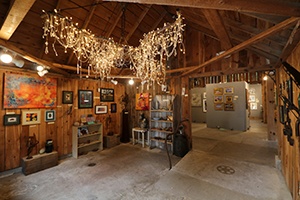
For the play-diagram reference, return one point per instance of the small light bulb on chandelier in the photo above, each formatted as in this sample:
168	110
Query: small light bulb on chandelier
131	82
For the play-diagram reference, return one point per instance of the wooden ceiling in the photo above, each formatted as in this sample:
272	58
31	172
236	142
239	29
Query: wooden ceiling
269	28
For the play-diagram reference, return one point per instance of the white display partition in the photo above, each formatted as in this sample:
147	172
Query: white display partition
227	106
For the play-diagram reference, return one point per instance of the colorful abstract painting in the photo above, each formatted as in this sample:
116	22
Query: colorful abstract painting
23	91
142	101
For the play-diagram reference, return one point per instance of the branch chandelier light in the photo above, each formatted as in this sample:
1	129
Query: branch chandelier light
147	61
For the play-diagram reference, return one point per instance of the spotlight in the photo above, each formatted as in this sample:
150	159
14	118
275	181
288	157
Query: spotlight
42	73
18	63
6	58
131	81
40	68
115	82
265	78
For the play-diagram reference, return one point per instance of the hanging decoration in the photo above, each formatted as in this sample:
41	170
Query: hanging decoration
147	61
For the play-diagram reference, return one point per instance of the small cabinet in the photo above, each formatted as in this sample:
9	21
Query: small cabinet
164	115
86	138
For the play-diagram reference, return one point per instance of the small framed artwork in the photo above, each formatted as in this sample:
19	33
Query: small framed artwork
50	115
106	95
11	119
113	108
253	106
85	99
30	117
229	107
228	90
67	97
218	99
251	98
218	106
228	99
204	95
218	91
100	110
204	106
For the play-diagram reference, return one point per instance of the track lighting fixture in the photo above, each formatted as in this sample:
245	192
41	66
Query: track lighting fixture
6	58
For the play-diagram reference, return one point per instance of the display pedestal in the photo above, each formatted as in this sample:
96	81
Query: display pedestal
39	162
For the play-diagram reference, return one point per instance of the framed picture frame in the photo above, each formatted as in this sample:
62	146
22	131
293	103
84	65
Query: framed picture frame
107	95
67	97
50	115
218	106
228	99
228	90
218	91
30	117
204	106
218	98
85	99
228	107
11	119
113	108
100	110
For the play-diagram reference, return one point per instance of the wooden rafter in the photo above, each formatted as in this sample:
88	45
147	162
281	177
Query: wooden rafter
134	27
274	7
31	58
113	26
279	27
215	21
15	16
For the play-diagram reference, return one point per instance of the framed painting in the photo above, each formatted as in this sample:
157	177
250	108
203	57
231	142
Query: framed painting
113	108
218	91
229	107
85	99
196	100
24	91
107	95
100	110
228	99
142	101
50	115
30	117
218	99
67	97
218	106
228	90
11	119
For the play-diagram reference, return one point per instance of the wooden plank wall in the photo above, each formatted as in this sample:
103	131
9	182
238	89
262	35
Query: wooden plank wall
13	138
289	155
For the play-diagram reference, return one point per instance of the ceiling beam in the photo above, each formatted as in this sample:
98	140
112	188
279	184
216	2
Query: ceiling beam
275	7
215	21
113	26
15	16
140	19
279	27
31	58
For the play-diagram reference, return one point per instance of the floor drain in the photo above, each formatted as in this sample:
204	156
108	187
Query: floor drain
91	164
225	169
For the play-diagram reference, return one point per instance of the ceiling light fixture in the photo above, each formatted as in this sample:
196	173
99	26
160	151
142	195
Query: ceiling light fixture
147	61
40	68
42	73
6	58
115	82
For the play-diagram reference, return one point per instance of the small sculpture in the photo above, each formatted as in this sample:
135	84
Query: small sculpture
31	142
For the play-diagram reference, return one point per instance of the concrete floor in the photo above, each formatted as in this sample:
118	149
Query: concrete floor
224	164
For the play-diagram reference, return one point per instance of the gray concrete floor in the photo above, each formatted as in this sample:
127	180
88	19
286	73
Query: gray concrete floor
224	164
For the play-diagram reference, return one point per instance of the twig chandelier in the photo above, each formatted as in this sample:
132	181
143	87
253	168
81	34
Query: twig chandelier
147	61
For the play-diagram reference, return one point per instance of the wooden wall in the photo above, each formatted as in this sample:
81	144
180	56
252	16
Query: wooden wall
13	138
289	155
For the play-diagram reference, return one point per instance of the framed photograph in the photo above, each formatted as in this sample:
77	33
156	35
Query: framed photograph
228	90
113	108
67	97
85	99
100	110
218	91
229	107
30	117
107	95
228	99
204	106
218	106
11	119
50	115
218	99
